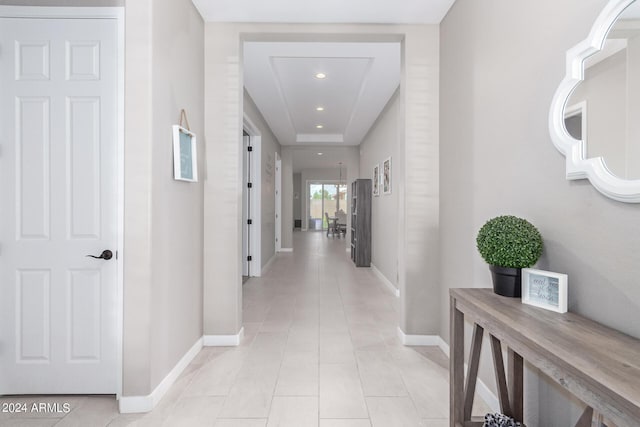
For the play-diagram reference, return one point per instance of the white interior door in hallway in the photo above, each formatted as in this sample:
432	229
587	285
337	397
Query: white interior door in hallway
59	203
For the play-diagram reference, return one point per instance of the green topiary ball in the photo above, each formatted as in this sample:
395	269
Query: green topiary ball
509	241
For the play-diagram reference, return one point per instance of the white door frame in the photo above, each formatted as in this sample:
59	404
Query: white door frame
247	156
579	109
118	14
255	240
278	194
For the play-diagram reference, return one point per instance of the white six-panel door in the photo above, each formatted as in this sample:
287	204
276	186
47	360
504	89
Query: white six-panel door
58	203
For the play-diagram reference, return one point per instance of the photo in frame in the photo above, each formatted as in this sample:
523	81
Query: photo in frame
386	176
376	180
545	289
185	158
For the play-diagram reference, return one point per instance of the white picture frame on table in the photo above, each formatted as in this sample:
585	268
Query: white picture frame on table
545	289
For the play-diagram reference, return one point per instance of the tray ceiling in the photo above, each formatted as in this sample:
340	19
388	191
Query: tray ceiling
327	11
339	109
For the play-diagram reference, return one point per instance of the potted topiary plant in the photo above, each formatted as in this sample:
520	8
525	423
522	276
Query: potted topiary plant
509	244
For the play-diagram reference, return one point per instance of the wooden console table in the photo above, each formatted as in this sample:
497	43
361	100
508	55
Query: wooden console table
598	365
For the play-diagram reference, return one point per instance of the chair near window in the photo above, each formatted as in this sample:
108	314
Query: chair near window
341	223
331	225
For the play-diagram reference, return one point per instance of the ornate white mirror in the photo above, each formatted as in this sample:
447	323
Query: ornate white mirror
595	113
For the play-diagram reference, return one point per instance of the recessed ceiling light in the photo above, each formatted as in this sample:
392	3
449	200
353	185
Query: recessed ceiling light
321	76
319	108
319	126
319	154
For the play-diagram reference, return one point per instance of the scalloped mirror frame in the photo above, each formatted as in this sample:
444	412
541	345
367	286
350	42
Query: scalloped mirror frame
578	166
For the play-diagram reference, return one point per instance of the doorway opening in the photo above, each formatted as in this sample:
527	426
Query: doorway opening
575	120
247	150
251	201
326	199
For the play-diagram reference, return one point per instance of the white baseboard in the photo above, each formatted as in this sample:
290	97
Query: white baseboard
223	340
138	404
483	391
427	340
286	250
444	346
395	291
487	395
268	265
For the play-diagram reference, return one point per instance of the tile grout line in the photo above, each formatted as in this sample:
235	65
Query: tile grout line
318	350
366	405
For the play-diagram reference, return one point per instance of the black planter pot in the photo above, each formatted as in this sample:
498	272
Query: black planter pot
506	281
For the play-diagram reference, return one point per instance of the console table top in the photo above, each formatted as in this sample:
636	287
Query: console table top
598	364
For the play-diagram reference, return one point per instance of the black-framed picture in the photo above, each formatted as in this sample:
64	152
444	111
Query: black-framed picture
185	156
376	180
386	176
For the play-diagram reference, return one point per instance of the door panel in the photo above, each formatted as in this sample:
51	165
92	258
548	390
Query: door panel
58	203
33	316
32	60
83	148
32	167
85	303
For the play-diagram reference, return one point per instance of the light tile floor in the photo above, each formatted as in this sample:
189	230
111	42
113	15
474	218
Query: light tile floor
320	349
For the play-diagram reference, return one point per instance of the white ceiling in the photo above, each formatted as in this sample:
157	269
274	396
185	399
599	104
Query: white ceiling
308	158
327	11
360	79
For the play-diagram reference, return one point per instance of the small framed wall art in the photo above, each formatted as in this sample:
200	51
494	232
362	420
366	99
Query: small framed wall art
185	157
386	176
376	180
545	289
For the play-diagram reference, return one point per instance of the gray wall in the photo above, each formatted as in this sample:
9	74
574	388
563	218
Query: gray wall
223	188
416	170
163	218
177	206
381	142
297	193
269	147
501	63
287	199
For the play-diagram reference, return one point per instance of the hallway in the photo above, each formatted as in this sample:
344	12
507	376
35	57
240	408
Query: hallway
320	349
